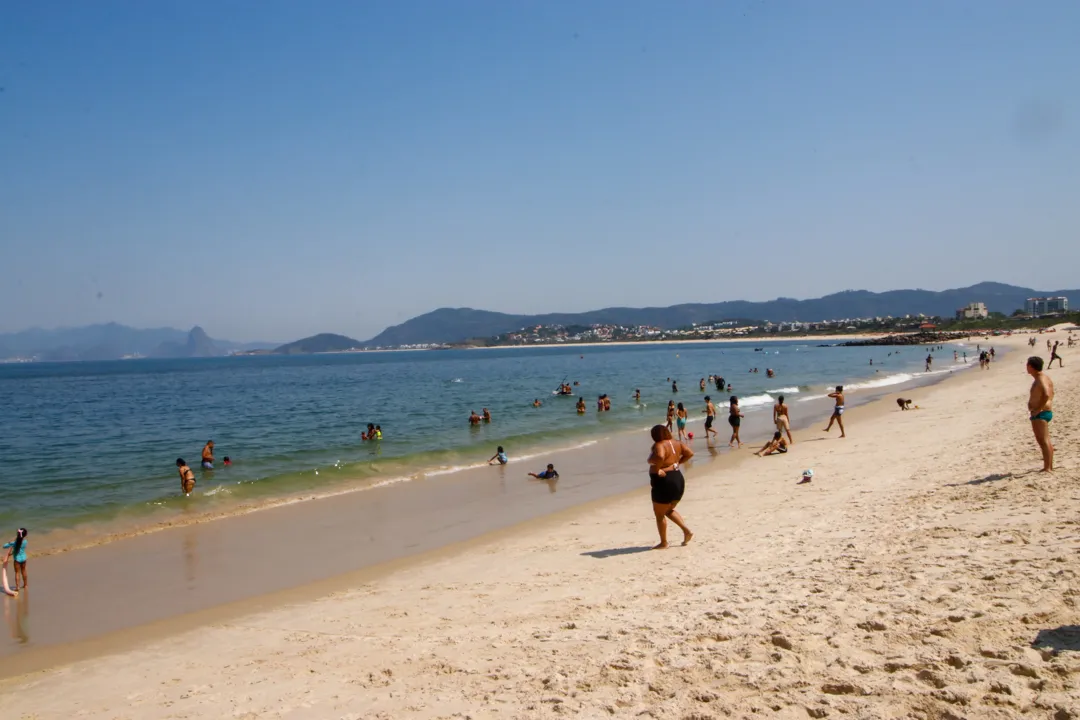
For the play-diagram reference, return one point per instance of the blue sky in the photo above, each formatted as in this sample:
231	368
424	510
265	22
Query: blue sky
274	169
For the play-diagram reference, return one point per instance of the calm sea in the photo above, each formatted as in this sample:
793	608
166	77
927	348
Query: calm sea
92	444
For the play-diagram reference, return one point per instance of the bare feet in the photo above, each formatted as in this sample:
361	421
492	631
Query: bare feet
687	537
661	546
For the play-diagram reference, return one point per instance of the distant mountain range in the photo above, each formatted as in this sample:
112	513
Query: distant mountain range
324	342
448	325
113	341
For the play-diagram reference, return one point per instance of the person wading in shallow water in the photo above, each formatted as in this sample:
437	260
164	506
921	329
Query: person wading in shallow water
1041	410
667	482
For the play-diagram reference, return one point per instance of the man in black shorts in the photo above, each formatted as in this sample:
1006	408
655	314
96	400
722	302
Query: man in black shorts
710	415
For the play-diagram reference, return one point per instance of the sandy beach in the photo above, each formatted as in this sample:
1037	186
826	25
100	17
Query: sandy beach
925	573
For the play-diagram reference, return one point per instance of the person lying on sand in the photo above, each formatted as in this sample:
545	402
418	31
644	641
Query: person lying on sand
549	474
778	444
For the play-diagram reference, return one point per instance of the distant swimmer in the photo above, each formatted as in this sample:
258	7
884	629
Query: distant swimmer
226	462
674	386
781	419
637	395
838	410
208	455
537	403
710	416
769	372
734	419
904	403
777	445
187	477
955	356
1053	356
680	421
486	416
599	403
474	419
1041	410
719	383
378	432
499	457
729	388
701	385
370	434
549	474
581	406
670	415
607	403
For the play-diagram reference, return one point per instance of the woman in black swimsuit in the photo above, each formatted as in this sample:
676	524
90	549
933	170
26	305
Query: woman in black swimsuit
667	482
734	420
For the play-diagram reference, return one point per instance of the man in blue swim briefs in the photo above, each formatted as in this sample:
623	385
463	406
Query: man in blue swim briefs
838	410
208	455
1040	409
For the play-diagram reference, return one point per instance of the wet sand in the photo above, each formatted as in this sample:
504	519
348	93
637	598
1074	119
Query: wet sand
177	578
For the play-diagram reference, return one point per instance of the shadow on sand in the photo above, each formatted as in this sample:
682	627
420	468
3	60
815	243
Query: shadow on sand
983	480
601	554
1066	637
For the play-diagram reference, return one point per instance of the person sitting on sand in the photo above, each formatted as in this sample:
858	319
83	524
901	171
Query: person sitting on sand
474	419
777	445
667	482
549	474
838	410
499	456
187	477
904	403
208	455
1041	410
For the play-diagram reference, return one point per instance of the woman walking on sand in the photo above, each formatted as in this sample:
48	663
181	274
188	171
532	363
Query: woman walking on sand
680	421
734	419
670	414
667	482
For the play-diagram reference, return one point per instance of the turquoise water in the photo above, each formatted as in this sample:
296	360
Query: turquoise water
95	442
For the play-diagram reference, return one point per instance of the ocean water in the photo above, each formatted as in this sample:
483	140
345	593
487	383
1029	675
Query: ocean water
90	445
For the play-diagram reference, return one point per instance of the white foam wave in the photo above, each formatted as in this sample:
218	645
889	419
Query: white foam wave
881	382
219	490
755	400
783	390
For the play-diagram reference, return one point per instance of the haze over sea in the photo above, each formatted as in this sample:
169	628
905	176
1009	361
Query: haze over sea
93	445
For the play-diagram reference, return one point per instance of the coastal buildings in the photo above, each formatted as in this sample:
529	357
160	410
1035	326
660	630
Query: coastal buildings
1037	306
973	311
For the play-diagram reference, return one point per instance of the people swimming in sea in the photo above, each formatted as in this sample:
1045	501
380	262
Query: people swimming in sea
187	476
667	483
378	432
16	551
607	402
549	474
680	421
670	415
370	434
778	444
537	403
474	419
581	406
838	410
729	388
701	385
674	386
599	403
769	372
208	455
637	395
486	416
226	461
735	417
499	457
719	383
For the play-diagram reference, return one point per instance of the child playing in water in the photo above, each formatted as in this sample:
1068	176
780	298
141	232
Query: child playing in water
16	549
549	474
500	456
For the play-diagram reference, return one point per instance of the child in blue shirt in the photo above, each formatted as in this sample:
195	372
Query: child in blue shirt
549	474
500	456
17	550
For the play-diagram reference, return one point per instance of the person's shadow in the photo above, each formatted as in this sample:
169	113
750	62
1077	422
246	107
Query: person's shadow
1065	637
614	552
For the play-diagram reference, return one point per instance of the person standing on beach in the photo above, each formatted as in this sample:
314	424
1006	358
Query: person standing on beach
710	416
667	482
838	409
734	419
1054	356
208	455
929	360
781	419
670	414
1041	410
187	477
680	421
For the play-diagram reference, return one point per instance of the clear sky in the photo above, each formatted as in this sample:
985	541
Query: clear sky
277	168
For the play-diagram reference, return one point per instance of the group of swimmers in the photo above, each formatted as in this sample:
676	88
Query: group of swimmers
187	475
475	419
373	432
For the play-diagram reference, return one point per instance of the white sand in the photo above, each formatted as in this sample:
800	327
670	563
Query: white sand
909	580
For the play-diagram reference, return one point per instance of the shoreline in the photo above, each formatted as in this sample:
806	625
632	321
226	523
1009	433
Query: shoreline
922	526
174	560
